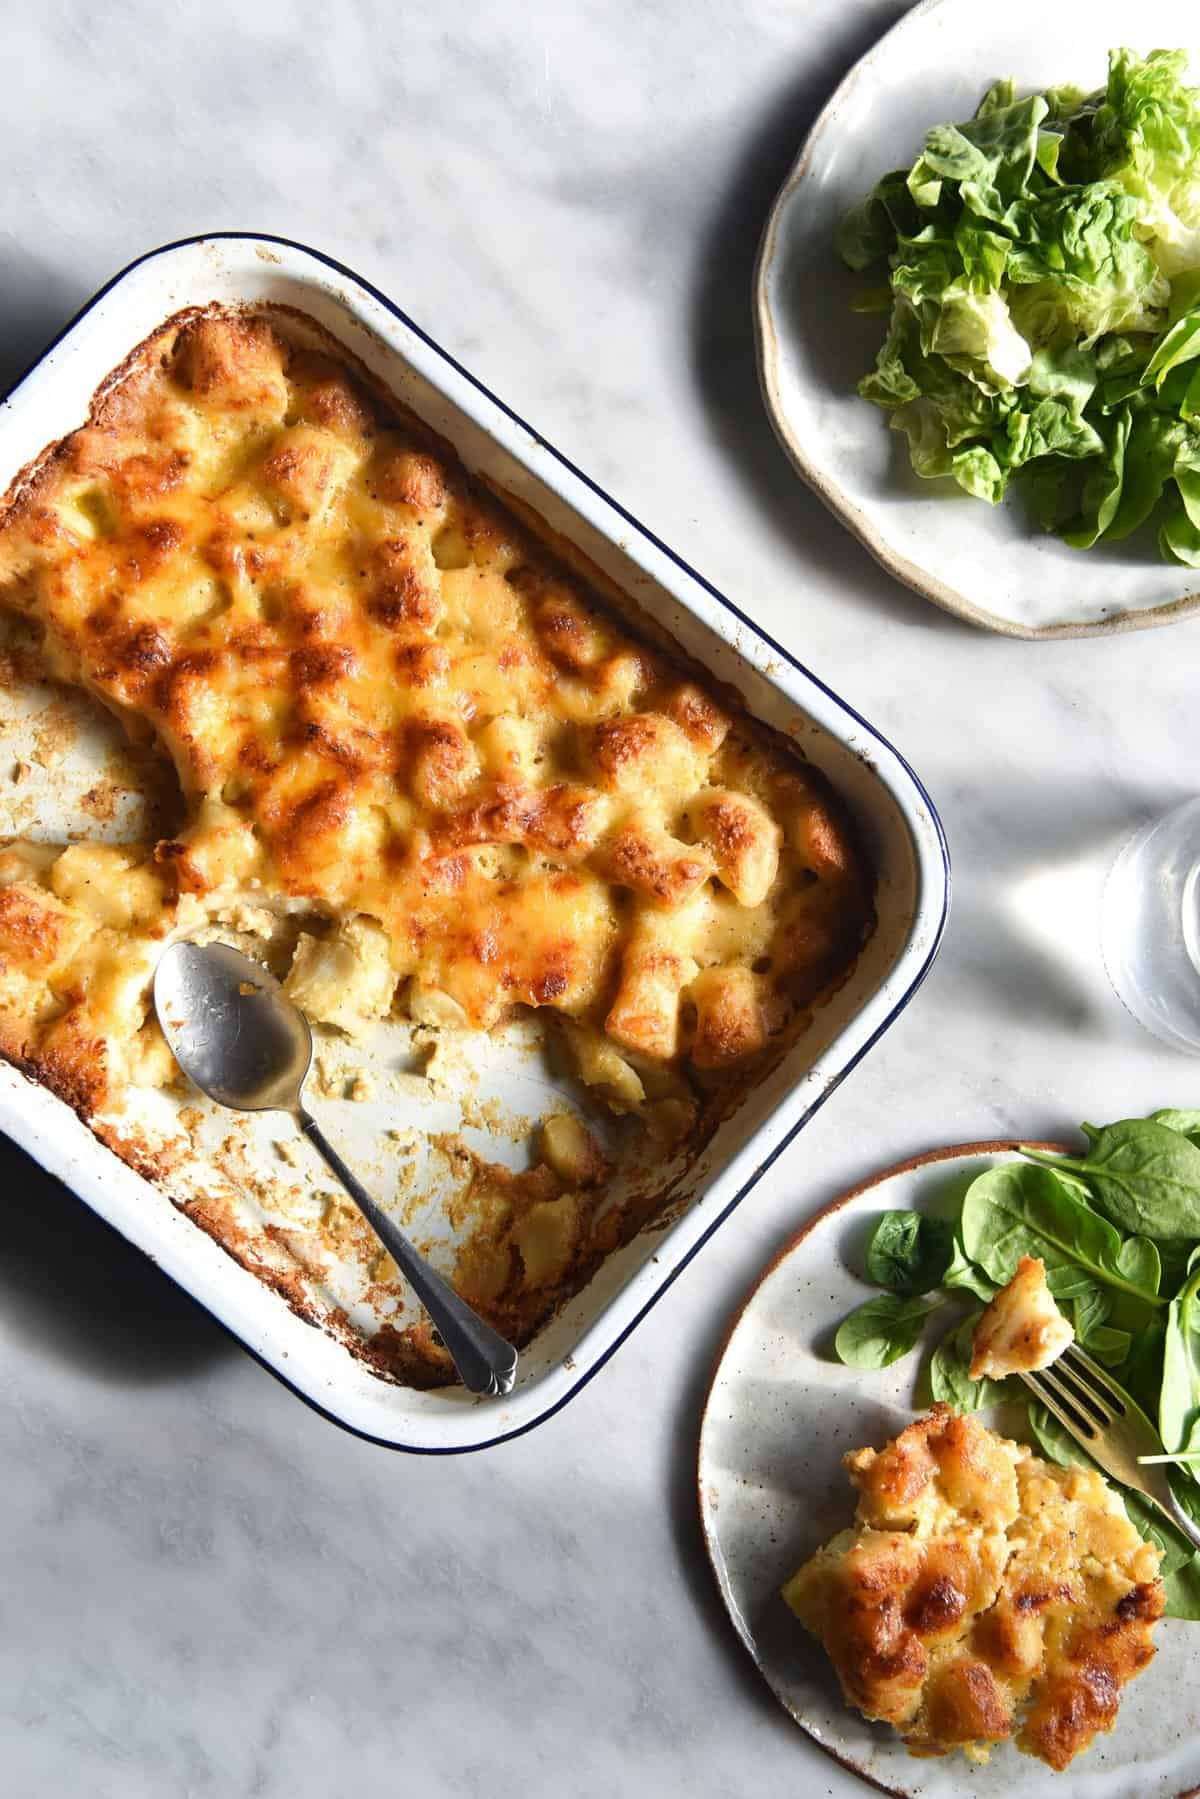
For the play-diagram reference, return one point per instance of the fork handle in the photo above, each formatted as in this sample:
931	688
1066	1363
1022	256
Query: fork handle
486	1363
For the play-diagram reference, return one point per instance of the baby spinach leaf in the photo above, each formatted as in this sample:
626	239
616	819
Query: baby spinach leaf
1139	1261
882	1330
1069	1281
1176	1265
949	1371
1144	1176
909	1252
962	1275
1018	1209
1108	1344
1054	1440
1179	1400
1181	1581
1088	1305
1141	1372
1185	1122
1089	1309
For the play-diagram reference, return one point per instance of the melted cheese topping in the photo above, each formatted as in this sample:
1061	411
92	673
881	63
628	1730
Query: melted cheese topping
982	1594
393	710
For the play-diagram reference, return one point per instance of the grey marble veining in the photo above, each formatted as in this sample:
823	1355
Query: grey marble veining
206	1589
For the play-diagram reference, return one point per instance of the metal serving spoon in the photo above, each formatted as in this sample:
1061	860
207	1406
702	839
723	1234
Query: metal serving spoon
237	1035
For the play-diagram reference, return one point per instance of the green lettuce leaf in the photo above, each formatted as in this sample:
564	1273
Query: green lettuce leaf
1043	264
1179	539
868	232
1146	136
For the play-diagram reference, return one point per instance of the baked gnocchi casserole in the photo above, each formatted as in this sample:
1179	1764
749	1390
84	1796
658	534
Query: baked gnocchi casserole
424	766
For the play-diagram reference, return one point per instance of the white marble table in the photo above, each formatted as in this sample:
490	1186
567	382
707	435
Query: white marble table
205	1589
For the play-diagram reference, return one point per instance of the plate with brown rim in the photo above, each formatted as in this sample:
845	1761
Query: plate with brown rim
780	1414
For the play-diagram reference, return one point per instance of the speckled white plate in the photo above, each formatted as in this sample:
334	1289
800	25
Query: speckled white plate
779	1416
990	564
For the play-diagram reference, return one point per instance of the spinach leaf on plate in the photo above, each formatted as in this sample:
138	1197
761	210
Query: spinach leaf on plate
1141	1371
1187	1123
1182	1578
1090	1311
1020	1209
1106	1344
1144	1176
909	1252
1179	1399
949	1371
962	1275
882	1330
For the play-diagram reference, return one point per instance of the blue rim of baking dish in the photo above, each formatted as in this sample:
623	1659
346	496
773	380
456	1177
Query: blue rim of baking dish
397	312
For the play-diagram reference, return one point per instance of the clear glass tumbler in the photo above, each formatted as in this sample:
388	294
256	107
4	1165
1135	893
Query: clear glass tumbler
1150	927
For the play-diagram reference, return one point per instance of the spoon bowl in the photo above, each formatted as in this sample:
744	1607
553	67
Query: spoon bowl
235	1033
232	1028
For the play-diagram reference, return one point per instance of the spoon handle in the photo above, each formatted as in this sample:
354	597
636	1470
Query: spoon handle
485	1361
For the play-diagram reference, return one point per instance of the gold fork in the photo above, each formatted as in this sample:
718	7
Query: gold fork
1114	1431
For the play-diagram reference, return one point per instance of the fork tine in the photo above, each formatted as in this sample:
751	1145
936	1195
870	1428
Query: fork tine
1076	1392
1071	1420
1077	1358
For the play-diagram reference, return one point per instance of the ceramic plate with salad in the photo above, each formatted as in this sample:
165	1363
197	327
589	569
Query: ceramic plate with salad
978	311
931	1574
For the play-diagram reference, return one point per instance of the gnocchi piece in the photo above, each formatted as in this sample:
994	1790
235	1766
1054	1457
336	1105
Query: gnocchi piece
656	865
570	636
734	1016
444	763
646	753
547	1237
234	363
429	1005
699	716
109	884
655	968
346	979
408	477
818	841
219	850
599	1064
38	933
1022	1329
323	394
569	1148
305	467
510	748
743	838
405	592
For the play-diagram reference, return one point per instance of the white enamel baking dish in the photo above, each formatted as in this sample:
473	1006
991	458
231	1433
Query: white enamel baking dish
901	827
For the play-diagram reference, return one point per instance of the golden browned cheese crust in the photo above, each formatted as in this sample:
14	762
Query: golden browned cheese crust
982	1594
396	717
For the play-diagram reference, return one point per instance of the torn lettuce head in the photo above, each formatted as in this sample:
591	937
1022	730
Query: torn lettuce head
1043	262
